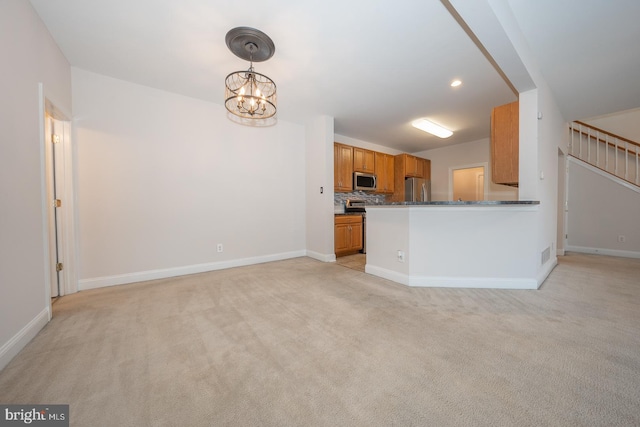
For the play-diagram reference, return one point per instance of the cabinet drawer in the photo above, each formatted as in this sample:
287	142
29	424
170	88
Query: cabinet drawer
348	219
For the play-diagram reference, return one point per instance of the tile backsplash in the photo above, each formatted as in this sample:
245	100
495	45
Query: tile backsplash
339	199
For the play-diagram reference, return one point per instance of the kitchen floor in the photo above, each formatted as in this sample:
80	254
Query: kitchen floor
355	262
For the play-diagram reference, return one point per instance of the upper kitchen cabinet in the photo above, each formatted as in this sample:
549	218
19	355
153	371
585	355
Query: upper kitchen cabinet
342	167
384	166
505	144
426	168
363	160
412	166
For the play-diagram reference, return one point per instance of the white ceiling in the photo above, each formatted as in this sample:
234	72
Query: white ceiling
373	65
588	51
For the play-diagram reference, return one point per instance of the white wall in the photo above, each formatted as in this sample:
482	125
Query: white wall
624	123
552	136
163	178
319	205
454	246
365	144
462	155
543	130
493	22
593	225
29	56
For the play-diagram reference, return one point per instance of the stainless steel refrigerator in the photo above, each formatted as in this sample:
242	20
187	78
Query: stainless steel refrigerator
417	190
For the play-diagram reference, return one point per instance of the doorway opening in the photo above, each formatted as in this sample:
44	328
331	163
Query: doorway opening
467	183
55	135
59	198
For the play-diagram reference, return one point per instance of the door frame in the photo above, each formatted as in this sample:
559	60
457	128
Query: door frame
68	190
484	165
563	202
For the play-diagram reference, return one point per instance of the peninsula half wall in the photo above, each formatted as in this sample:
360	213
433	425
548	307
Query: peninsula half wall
490	244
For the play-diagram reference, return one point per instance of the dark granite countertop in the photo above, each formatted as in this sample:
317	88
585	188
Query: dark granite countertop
458	203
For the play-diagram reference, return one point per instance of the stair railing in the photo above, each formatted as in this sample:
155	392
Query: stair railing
607	151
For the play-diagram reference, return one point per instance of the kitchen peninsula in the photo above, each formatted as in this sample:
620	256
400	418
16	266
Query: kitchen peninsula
482	244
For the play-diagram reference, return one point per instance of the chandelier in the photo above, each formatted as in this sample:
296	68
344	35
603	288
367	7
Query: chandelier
249	94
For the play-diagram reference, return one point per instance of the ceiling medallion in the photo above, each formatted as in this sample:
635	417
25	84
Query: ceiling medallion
249	94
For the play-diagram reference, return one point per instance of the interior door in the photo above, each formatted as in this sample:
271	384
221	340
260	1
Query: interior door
54	146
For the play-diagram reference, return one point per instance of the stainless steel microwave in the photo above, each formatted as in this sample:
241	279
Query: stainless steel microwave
364	181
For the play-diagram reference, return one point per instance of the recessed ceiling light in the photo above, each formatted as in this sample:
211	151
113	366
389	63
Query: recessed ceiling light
456	83
432	128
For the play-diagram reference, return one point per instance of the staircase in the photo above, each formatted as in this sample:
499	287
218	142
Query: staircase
606	151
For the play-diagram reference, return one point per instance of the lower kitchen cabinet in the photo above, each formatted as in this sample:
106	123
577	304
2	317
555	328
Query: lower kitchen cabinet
348	235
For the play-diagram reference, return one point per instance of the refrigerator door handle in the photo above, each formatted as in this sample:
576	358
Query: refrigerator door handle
424	192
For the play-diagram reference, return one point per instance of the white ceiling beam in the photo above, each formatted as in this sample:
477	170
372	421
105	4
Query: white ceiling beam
492	26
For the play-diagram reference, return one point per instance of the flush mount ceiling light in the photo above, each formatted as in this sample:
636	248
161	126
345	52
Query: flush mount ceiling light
249	94
432	128
456	83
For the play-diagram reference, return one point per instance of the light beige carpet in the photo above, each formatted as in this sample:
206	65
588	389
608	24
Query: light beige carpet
305	343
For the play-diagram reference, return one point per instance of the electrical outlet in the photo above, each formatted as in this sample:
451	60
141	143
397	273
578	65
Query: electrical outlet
400	256
622	239
220	248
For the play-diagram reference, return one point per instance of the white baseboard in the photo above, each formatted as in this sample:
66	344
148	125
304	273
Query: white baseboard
142	276
603	251
473	282
321	257
394	276
452	282
12	347
546	271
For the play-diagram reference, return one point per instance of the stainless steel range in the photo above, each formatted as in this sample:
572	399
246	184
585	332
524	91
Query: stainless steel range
358	206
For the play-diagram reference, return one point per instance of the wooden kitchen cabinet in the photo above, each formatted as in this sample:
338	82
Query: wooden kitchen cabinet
413	166
505	144
408	166
363	160
384	167
348	237
342	167
426	168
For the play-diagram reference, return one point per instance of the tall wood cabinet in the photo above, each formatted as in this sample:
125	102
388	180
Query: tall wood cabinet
505	144
348	236
384	166
342	167
408	166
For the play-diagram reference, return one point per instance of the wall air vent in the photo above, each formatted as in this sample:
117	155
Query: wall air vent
546	254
